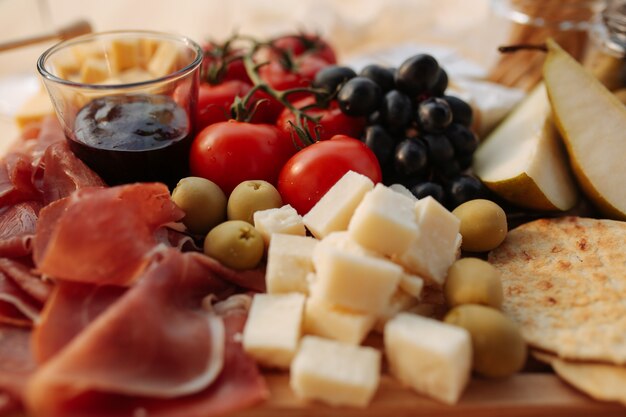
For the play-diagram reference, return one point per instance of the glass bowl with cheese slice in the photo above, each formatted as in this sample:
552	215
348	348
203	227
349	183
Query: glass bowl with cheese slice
126	101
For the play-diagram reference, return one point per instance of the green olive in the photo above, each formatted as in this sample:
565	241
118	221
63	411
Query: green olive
251	196
236	244
483	225
203	202
498	346
473	281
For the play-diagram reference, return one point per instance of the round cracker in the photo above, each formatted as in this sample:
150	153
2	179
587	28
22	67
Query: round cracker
564	282
601	381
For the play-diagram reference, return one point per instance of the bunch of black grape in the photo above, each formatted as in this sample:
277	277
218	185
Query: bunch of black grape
421	137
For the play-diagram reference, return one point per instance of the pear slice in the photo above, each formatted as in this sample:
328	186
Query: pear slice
592	122
523	161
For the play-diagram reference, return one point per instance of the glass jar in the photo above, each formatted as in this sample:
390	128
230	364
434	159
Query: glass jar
534	21
606	56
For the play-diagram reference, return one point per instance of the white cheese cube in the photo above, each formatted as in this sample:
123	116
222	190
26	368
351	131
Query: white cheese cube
322	319
164	61
285	220
289	261
399	188
273	328
432	357
353	281
334	210
123	54
335	373
384	221
400	301
34	109
412	285
94	71
343	242
435	247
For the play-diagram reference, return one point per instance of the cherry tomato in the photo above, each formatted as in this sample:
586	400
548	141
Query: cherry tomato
215	70
301	74
333	121
228	153
214	101
313	44
310	173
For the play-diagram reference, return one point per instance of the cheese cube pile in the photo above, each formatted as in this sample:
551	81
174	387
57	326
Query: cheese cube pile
374	249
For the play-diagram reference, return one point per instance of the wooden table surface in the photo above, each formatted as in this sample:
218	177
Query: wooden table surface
523	395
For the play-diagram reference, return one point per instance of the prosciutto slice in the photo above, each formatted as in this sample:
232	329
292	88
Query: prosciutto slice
17	229
16	184
70	309
16	306
239	386
17	363
74	235
155	341
64	173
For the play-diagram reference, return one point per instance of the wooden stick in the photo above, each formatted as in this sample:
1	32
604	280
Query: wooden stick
77	28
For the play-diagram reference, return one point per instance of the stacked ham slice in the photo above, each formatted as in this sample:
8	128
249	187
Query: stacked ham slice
101	313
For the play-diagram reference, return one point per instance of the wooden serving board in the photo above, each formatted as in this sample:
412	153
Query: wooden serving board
523	395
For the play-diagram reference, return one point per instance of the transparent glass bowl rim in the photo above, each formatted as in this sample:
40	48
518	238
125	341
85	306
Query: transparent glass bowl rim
183	40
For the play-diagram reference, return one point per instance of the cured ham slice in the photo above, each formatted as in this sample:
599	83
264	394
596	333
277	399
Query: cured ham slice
64	173
17	229
155	341
28	282
117	224
16	184
252	279
70	309
16	307
22	293
239	386
17	363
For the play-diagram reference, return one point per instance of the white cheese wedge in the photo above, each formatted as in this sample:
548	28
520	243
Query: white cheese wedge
355	282
289	261
164	60
123	54
432	357
435	247
400	301
334	210
384	221
335	373
284	220
412	285
273	328
322	319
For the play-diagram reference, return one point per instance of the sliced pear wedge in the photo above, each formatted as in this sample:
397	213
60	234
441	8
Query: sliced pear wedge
523	161
592	123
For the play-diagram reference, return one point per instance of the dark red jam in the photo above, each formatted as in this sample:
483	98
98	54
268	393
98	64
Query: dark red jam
133	138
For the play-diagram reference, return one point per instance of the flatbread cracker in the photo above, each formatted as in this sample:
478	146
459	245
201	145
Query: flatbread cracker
600	381
564	282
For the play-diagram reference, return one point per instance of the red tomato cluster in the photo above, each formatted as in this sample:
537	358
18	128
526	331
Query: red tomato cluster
228	152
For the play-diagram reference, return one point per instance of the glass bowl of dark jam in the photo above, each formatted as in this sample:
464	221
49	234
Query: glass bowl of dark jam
126	100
